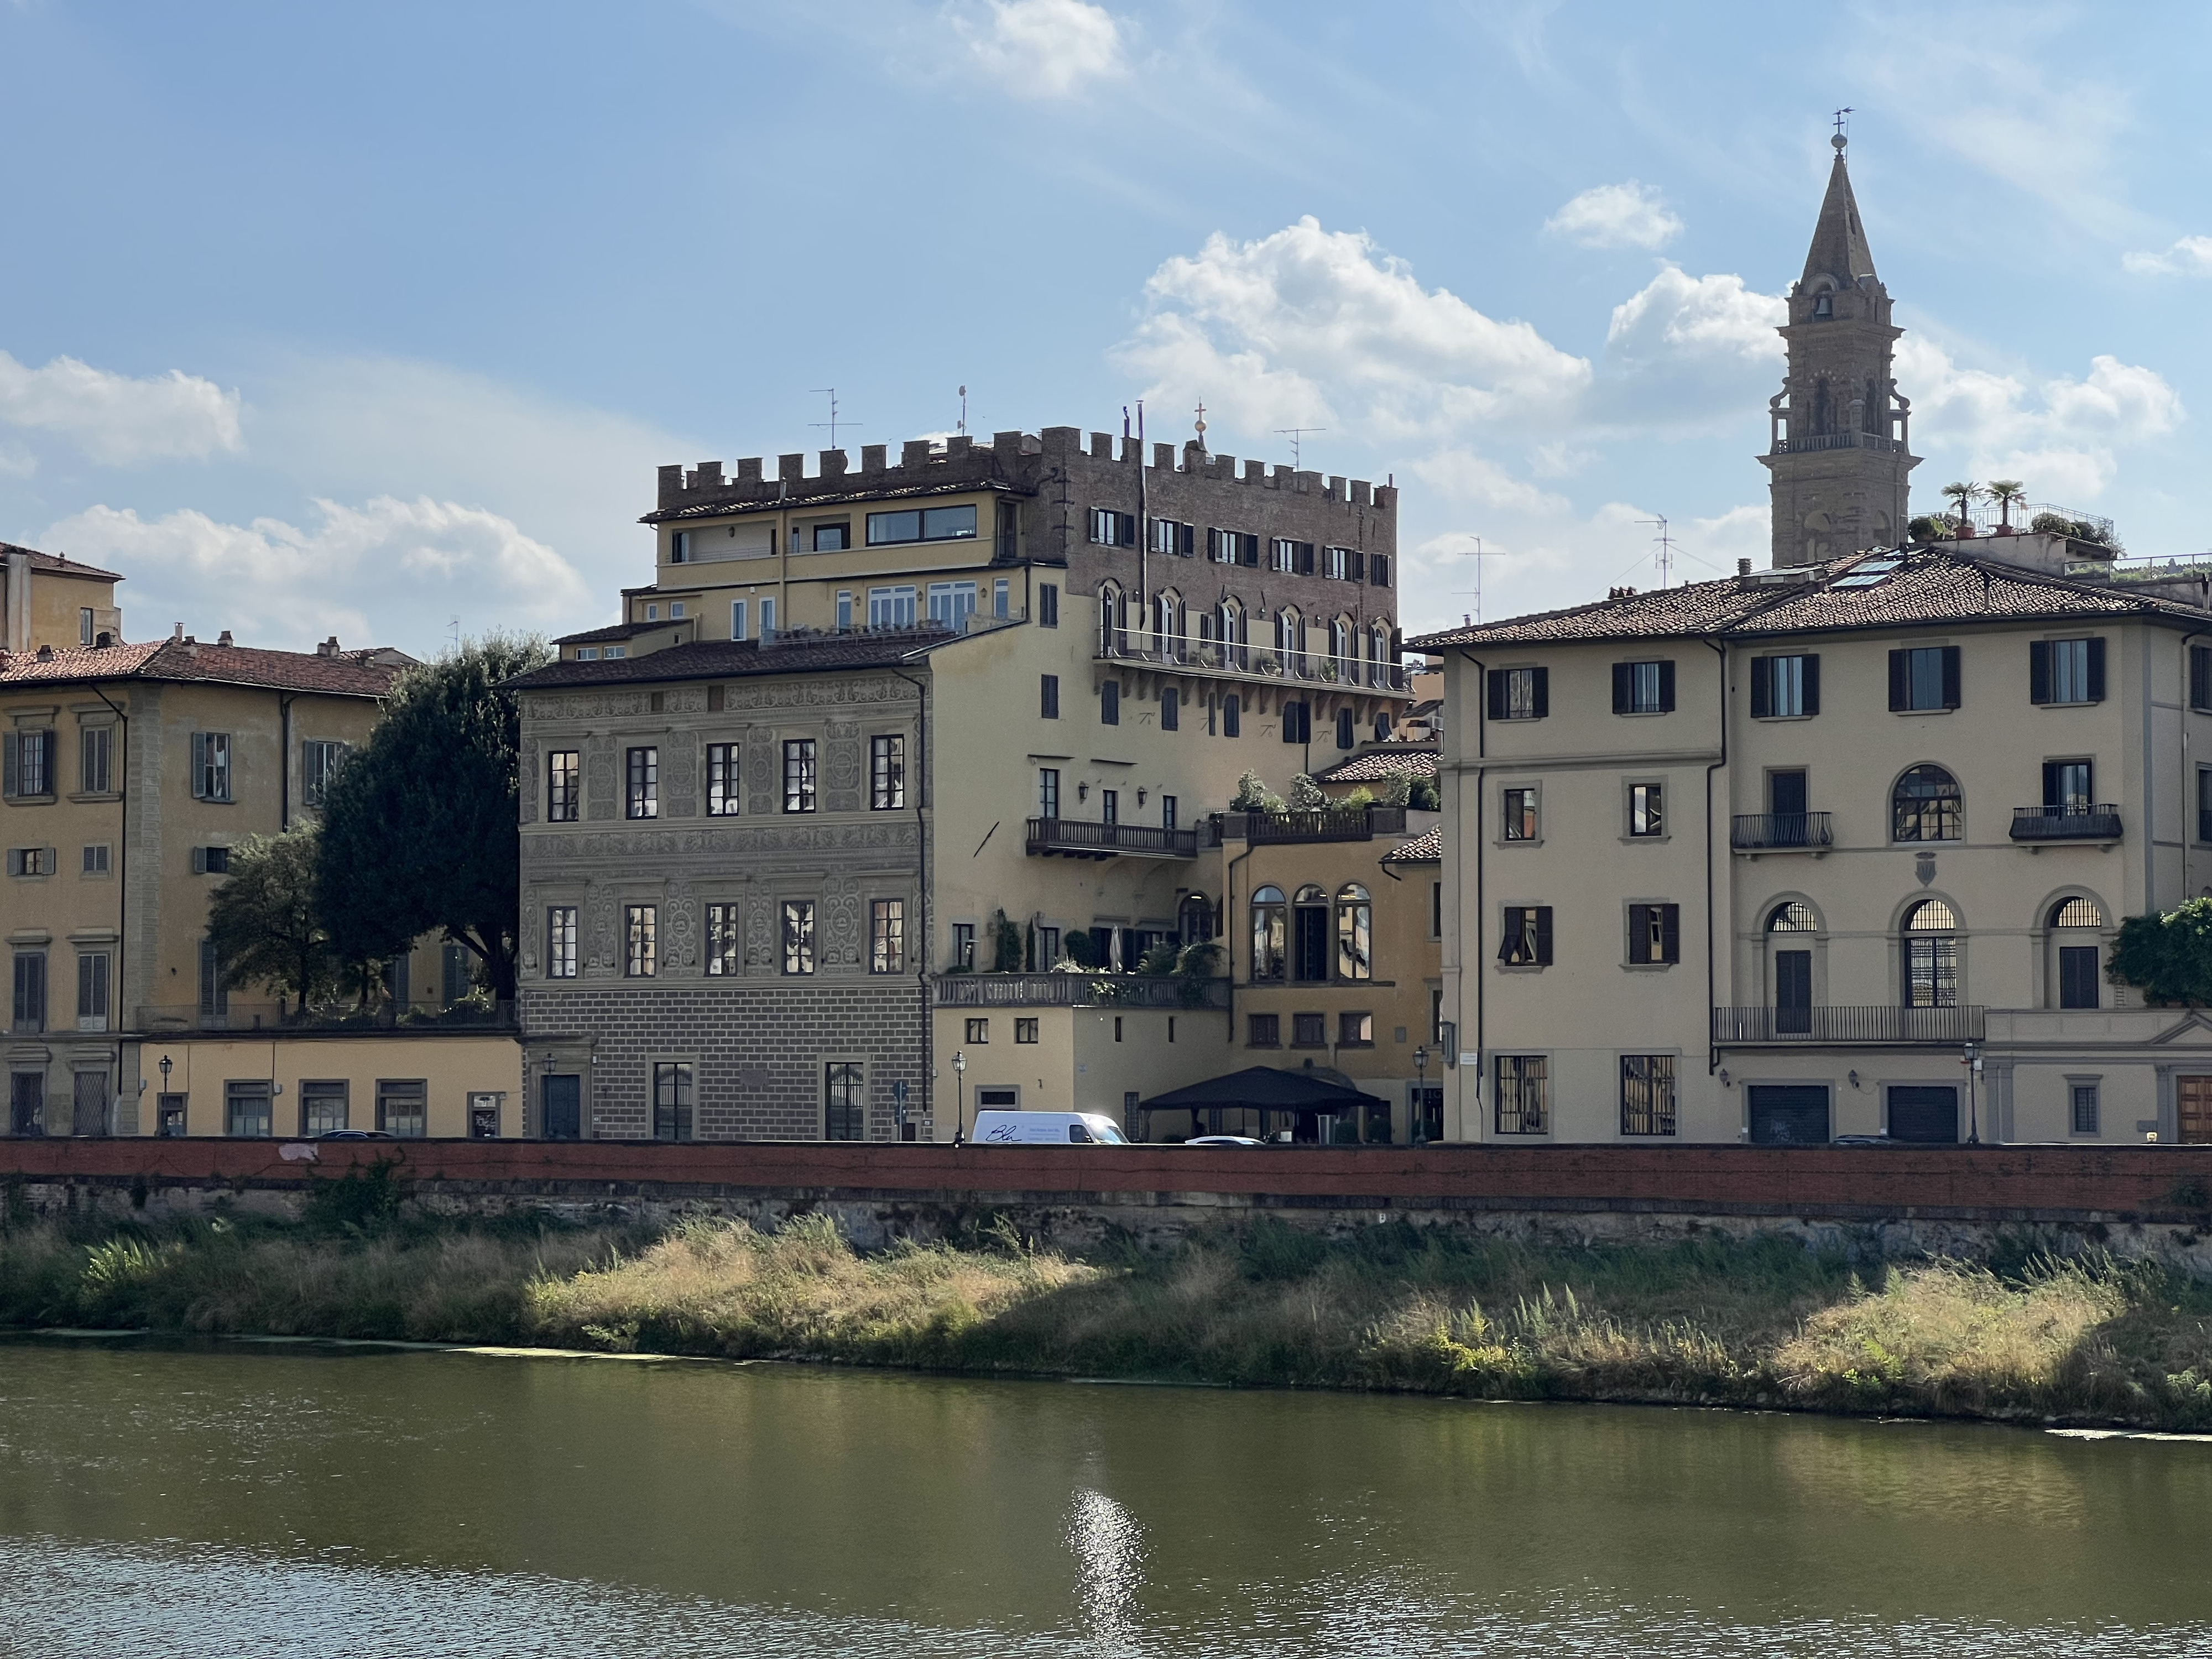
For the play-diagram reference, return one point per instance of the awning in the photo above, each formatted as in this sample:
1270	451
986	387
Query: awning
1264	1089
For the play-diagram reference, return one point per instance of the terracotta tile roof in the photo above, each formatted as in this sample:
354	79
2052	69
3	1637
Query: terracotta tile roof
702	659
617	631
1928	587
345	673
1428	848
59	564
1383	761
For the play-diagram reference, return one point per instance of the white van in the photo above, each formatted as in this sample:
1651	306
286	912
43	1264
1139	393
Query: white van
1047	1128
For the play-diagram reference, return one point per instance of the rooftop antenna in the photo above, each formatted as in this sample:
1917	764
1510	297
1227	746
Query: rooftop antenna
963	428
1476	555
835	420
1295	433
454	624
1665	557
1842	139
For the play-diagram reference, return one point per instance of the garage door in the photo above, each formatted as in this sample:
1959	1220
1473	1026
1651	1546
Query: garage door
1927	1116
1789	1115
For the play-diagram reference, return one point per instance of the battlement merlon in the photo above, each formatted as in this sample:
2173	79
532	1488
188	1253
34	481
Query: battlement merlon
1018	462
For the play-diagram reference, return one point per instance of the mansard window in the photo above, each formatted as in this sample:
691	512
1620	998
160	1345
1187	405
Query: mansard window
799	935
723	940
798	776
644	794
2066	671
723	759
560	941
1931	955
563	786
1926	806
887	772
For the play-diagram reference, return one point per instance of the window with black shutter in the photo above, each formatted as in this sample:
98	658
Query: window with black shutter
1526	936
1519	694
1048	696
1109	704
1643	687
1654	934
2066	671
1924	677
1785	688
1378	569
1047	606
2200	678
1298	722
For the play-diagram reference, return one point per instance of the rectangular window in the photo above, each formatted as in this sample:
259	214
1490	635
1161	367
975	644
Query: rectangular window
210	767
887	936
1655	934
1112	529
1048	791
1342	564
27	861
323	1106
563	786
1000	598
768	620
1521	1097
1784	688
1647	1094
671	1100
963	947
1047	947
1931	972
2077	976
2204	803
210	861
1170	709
1519	815
844	1101
643	798
1298	721
1109	703
29	765
799	935
2084	1101
560	941
92	991
641	952
1924	677
1519	694
1309	1030
1170	537
246	1108
844	610
725	940
96	859
1263	1030
319	763
95	754
84	633
1378	569
1232	716
737	620
891	607
1232	547
1643	687
2200	678
403	1107
831	538
29	1012
1167	811
1436	910
1645	816
1047	606
929	524
1355	1031
1048	696
1527	936
1110	806
951	603
2067	786
1025	1030
724	778
2066	671
799	774
887	772
979	1031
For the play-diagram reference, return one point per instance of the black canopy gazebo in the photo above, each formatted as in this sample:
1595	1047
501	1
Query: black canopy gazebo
1259	1101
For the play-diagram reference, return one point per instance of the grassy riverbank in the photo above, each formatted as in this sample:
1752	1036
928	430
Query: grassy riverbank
1762	1323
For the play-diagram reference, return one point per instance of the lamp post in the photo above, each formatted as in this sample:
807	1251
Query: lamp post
160	1126
959	1095
1973	1062
1418	1119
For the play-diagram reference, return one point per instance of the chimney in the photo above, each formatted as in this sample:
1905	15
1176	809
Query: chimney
223	638
1743	567
45	653
179	633
328	647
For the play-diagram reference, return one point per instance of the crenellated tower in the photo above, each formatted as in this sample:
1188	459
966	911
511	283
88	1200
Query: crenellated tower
1839	450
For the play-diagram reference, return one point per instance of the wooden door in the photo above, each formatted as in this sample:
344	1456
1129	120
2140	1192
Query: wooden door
2192	1107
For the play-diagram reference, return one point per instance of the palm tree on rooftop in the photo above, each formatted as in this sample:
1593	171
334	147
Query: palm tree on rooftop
1963	496
2007	493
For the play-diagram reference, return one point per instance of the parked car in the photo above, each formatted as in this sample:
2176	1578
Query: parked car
1224	1141
1042	1128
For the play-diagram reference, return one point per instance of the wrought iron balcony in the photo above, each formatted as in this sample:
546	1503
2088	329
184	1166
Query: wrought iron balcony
1815	1026
1080	838
2082	822
1077	991
1770	830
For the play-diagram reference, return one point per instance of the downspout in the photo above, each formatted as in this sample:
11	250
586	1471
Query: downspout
1482	753
1228	923
1712	980
284	762
921	888
2186	706
122	889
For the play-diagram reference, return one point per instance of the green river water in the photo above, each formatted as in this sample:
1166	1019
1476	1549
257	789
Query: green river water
267	1499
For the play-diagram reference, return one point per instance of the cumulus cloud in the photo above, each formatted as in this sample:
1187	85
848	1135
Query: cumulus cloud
1628	215
2189	257
2062	434
1684	352
1046	48
117	420
1311	327
366	574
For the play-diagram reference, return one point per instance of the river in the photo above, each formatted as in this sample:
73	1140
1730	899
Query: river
293	1499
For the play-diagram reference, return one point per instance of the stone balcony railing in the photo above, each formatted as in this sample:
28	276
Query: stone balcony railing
1077	991
1847	1025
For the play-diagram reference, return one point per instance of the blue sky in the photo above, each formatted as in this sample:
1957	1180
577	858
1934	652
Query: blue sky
366	319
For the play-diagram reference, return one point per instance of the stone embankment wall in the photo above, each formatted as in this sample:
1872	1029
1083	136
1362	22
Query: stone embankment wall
2150	1201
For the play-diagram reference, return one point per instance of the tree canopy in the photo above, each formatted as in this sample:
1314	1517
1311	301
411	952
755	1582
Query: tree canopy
419	827
2167	957
262	919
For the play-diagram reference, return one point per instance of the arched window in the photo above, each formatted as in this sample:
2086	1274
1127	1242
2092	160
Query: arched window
1167	621
1931	955
2076	912
1309	935
2079	985
1268	925
1792	916
1355	934
1235	634
1344	645
1926	806
1113	627
1195	919
1378	655
1290	639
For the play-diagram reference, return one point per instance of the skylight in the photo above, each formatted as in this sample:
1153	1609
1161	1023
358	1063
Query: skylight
1867	574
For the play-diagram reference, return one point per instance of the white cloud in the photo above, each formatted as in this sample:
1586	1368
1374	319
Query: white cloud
1046	48
1309	327
1686	352
2062	436
368	573
117	420
1459	474
1616	216
2189	257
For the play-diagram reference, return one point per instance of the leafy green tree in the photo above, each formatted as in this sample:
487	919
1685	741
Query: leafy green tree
263	921
1306	795
419	831
1253	795
2167	958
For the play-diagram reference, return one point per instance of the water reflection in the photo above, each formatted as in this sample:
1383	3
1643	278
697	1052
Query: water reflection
1108	1545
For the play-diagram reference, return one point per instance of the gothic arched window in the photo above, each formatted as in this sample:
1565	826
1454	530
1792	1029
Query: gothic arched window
1113	635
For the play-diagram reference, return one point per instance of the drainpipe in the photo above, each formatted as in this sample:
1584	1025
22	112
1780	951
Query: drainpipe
1228	923
122	888
921	885
284	762
1482	753
1712	981
2186	827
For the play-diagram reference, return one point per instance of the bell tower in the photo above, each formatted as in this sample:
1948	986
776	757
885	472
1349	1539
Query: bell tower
1837	450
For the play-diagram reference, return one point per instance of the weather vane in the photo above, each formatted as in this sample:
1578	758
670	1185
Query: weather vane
1841	138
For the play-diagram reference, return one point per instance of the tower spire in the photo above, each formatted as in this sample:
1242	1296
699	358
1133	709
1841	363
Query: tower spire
1839	245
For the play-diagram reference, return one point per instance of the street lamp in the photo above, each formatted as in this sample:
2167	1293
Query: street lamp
1418	1117
959	1095
1973	1062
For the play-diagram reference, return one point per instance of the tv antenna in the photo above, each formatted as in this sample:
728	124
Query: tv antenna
963	428
1296	434
1476	592
837	420
1665	557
